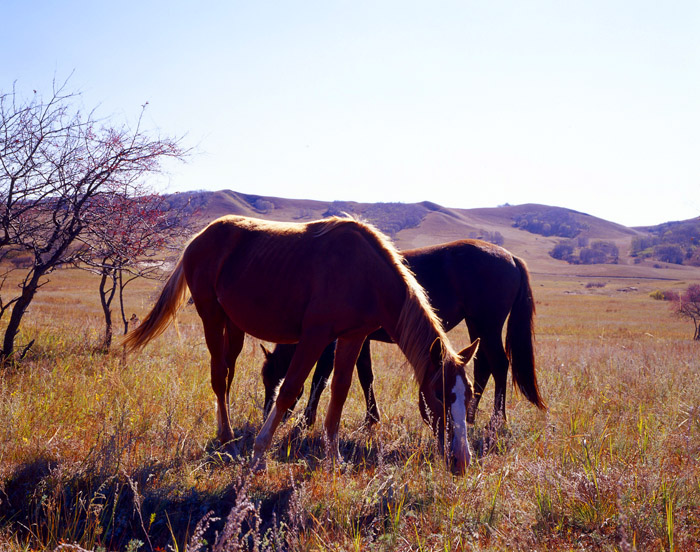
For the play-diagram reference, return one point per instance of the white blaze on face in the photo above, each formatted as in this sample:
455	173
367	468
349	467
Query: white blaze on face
458	413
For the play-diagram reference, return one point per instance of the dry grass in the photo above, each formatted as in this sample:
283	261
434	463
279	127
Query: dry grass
98	453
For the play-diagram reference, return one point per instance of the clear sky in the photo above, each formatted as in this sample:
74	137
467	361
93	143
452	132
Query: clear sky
592	105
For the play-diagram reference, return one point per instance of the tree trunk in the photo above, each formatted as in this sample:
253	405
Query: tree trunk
106	296
121	301
18	310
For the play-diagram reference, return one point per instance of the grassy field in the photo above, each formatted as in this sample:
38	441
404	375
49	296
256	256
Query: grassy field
98	452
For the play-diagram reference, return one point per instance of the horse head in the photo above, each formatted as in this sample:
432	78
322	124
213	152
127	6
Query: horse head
446	395
273	371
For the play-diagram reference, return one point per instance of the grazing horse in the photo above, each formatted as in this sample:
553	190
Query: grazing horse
336	279
468	280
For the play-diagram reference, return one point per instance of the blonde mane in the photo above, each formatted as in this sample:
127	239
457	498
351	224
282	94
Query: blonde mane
417	325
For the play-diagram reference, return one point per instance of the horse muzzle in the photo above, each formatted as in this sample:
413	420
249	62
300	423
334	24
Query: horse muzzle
460	454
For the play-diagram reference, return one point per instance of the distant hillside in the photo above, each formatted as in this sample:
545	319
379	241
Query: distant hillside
672	242
390	218
590	246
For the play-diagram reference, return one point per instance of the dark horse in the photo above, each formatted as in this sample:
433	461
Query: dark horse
330	280
468	280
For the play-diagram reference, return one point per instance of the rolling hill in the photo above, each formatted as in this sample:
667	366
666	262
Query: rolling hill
530	231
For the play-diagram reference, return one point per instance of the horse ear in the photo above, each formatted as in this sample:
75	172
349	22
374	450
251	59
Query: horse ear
265	351
436	352
468	352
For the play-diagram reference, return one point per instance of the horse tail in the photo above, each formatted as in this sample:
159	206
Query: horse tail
520	339
163	312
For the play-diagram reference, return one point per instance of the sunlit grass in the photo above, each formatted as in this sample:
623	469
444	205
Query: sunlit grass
108	452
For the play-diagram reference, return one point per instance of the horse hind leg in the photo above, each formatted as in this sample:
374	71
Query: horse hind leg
214	322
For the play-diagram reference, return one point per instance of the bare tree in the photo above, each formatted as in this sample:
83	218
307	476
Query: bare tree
687	305
137	230
56	163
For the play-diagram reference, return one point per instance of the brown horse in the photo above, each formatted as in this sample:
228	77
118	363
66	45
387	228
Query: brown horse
467	280
334	279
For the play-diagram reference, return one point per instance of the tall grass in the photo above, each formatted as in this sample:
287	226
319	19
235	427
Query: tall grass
98	452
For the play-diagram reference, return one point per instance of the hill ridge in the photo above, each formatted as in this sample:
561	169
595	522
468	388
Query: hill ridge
425	223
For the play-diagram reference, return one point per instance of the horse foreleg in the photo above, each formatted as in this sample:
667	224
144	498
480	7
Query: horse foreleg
307	352
482	372
366	377
323	370
346	353
499	364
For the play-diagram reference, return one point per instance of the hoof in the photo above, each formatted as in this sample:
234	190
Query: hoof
495	438
334	460
370	420
471	413
258	464
336	464
309	419
225	438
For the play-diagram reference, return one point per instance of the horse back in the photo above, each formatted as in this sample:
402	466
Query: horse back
467	278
